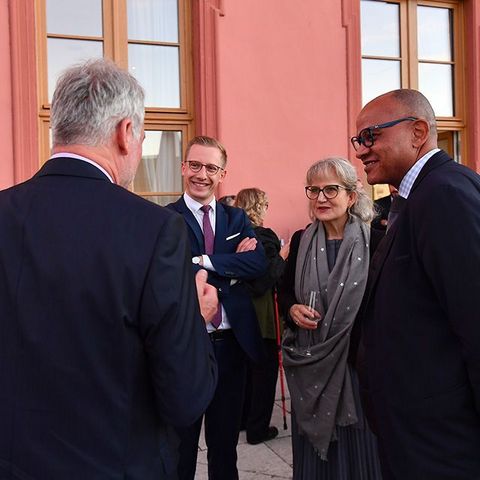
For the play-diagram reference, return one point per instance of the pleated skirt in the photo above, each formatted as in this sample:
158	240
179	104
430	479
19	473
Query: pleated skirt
353	456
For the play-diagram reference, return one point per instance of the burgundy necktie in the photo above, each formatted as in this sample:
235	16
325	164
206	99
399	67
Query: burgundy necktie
209	239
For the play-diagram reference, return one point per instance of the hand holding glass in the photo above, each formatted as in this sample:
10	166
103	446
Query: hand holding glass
311	302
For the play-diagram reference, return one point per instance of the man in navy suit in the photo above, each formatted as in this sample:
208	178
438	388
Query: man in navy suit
422	325
234	257
103	347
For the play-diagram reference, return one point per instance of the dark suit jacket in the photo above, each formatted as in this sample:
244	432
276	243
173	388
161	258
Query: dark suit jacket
102	346
422	333
231	226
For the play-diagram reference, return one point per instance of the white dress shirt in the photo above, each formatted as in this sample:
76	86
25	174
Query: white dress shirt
409	179
195	208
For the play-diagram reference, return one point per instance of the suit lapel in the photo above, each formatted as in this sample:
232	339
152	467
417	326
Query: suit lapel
435	161
191	222
378	260
221	224
385	245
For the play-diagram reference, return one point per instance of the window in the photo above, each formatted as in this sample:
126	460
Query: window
418	44
152	39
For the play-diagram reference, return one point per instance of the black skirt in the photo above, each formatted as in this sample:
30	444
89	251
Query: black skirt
353	456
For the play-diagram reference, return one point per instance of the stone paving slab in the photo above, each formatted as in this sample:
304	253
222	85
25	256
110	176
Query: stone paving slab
266	461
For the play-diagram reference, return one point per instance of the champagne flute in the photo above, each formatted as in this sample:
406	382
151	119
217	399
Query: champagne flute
311	302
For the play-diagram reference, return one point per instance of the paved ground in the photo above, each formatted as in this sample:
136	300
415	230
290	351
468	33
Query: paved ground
269	460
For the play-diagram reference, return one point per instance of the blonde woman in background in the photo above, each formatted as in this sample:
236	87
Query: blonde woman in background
262	378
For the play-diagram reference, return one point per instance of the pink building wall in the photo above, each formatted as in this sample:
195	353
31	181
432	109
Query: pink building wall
278	81
6	125
282	98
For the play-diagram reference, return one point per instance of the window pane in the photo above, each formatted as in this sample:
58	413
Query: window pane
71	17
157	69
379	76
380	28
160	167
155	20
435	82
434	34
62	53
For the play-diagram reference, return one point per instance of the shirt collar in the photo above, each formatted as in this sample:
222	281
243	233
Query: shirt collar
195	206
79	157
409	179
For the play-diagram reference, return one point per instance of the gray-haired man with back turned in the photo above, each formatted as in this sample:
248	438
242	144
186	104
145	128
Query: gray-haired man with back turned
102	343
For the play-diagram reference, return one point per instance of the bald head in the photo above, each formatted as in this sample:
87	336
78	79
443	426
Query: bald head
413	104
394	131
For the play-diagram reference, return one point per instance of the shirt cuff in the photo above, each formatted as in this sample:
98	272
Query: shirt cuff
207	264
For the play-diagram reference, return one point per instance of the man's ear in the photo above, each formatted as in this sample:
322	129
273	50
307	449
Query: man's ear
420	132
222	176
124	134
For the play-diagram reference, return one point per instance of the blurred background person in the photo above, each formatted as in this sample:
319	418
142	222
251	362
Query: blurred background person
262	377
382	206
327	268
227	200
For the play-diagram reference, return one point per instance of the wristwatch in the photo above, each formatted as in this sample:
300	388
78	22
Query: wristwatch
196	260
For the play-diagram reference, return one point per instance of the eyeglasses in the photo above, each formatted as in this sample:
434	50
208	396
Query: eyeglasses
329	191
210	168
367	137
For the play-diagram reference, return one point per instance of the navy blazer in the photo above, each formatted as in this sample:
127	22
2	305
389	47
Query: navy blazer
422	331
102	345
231	226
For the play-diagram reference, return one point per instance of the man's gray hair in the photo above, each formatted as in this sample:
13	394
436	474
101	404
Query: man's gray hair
347	175
90	100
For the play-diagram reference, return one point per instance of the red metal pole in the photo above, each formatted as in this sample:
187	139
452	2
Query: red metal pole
280	359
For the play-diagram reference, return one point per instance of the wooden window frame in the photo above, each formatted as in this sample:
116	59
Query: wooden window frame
409	59
115	46
409	62
409	54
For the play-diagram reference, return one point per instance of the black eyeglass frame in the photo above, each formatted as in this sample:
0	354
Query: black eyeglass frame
337	188
366	137
206	165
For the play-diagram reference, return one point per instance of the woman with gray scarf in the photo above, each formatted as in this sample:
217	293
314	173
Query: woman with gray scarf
324	282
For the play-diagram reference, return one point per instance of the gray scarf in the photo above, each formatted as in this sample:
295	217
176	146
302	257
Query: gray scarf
320	385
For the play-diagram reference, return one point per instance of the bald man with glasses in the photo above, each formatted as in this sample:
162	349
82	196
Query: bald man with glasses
422	324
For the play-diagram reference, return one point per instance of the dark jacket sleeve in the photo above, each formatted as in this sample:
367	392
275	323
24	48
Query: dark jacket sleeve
181	361
275	263
243	265
286	290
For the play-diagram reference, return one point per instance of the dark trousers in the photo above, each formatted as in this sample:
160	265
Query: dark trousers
222	418
260	392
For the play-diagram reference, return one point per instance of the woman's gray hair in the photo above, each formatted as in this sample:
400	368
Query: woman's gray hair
90	100
347	175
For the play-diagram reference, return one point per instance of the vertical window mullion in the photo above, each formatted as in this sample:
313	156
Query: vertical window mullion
411	35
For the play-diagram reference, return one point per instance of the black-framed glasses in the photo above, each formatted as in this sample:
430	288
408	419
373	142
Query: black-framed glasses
329	191
196	166
367	136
